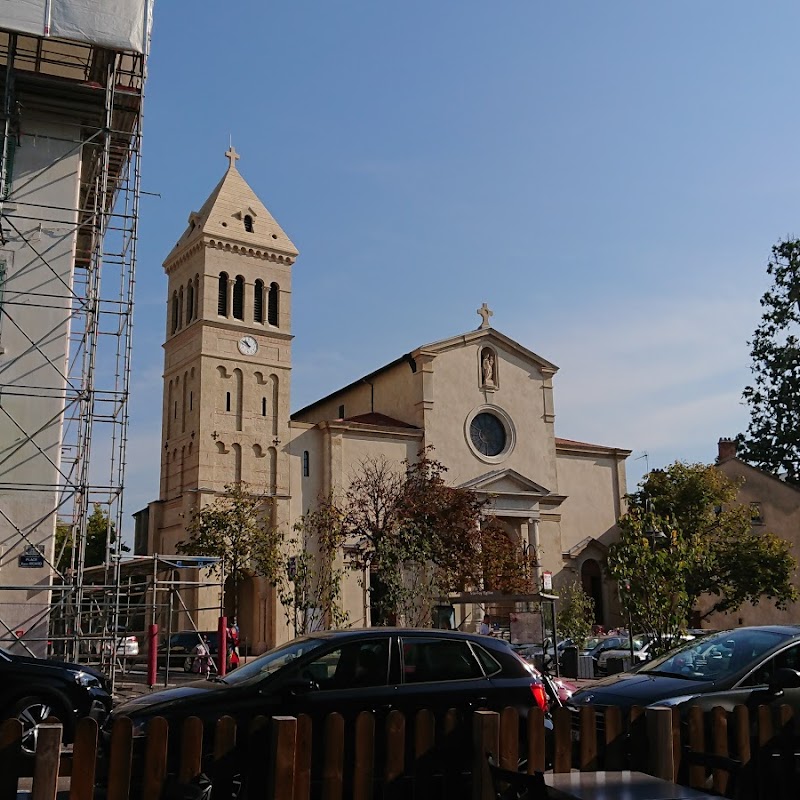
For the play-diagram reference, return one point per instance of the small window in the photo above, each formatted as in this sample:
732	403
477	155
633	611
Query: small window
756	515
248	223
174	312
238	298
189	302
222	299
341	412
258	302
227	401
175	411
306	464
190	401
488	662
263	406
272	305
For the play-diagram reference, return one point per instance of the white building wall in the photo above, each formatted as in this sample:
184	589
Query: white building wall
39	252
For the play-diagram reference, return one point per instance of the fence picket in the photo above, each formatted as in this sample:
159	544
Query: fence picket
302	761
223	765
84	750
615	739
155	758
332	770
697	773
48	754
509	739
562	722
364	766
536	743
120	760
282	746
191	749
588	751
395	754
424	756
485	741
10	748
639	755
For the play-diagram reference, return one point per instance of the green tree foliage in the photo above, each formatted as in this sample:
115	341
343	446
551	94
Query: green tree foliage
575	613
236	528
99	529
685	535
312	593
772	441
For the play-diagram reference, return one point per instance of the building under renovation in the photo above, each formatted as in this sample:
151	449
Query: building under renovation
71	76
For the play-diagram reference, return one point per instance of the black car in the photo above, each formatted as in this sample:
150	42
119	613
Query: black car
374	669
746	666
32	690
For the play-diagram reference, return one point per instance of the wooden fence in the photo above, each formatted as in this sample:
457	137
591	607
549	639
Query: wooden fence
751	754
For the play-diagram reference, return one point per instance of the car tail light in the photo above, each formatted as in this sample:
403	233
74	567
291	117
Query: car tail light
539	695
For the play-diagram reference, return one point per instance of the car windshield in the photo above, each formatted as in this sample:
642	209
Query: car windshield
717	656
274	660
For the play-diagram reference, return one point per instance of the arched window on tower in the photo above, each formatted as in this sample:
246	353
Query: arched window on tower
272	310
238	298
258	302
222	302
180	308
190	301
174	312
248	223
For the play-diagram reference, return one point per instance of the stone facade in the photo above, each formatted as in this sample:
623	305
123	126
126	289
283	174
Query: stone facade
485	402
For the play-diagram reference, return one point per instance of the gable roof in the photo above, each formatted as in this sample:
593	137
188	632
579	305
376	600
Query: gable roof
487	334
222	218
757	470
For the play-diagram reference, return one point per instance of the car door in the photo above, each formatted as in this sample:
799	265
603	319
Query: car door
348	678
755	686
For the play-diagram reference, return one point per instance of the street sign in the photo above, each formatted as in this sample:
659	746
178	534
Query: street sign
32	557
547	581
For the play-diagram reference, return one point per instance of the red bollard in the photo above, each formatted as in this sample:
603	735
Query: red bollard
152	655
222	650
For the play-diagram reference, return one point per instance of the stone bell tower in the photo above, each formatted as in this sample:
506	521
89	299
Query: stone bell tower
227	367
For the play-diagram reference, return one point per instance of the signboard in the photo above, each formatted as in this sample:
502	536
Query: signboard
547	581
32	557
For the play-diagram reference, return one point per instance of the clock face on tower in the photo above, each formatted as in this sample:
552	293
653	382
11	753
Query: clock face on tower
248	346
488	434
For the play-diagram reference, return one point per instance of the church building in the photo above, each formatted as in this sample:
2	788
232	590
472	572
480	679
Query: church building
483	401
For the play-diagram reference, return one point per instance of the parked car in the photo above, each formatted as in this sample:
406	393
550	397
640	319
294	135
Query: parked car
374	669
746	666
180	649
33	690
127	646
644	649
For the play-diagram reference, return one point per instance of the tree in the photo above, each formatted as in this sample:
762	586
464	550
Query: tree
772	442
312	593
686	534
236	529
420	539
99	530
575	614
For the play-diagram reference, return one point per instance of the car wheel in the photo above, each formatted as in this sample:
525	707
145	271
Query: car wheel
32	712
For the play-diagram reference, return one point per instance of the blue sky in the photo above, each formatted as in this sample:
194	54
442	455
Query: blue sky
608	177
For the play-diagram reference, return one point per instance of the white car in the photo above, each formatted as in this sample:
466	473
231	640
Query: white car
642	651
127	646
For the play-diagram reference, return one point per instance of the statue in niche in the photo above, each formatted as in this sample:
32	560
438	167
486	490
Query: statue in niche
488	368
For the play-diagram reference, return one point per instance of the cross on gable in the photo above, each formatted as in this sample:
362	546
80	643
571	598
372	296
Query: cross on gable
232	156
485	313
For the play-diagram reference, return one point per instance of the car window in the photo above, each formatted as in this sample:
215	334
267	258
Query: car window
488	661
426	660
716	656
764	673
352	665
273	660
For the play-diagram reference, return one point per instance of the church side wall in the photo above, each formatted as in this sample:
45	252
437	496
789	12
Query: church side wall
35	308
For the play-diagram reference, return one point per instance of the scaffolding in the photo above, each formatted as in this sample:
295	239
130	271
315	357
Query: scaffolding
92	97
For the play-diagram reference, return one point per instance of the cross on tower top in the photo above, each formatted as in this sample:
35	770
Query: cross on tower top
232	156
484	313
